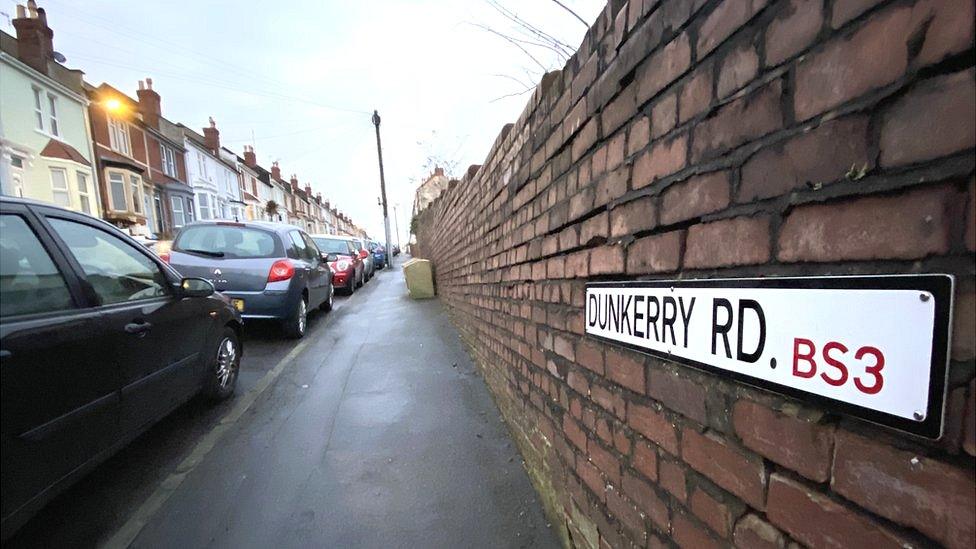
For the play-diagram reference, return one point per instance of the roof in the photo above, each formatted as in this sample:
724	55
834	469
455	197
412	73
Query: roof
58	149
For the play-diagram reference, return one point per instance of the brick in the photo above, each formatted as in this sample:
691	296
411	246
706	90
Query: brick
803	513
607	259
742	474
619	110
655	254
845	10
578	382
595	229
736	241
935	118
574	433
627	370
677	393
671	477
934	497
616	151
695	197
621	439
848	67
563	346
591	477
578	264
609	400
555	267
795	28
964	326
737	69
716	513
664	115
663	159
690	535
626	513
586	138
633	217
605	461
639	134
696	95
906	226
645	460
800	445
653	425
581	203
725	20
821	155
612	187
948	28
755	533
969	421
663	67
971	217
589	356
739	122
647	500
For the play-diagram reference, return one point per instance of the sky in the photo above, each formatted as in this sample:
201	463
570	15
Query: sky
299	79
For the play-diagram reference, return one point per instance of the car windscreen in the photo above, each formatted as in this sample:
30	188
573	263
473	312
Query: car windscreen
227	242
331	245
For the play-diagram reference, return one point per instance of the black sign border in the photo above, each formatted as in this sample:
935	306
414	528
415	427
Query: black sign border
939	285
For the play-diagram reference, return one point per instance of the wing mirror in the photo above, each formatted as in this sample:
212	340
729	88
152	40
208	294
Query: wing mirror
329	258
196	287
363	254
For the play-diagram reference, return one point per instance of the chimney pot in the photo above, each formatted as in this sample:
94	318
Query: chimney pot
149	103
149	82
35	40
211	137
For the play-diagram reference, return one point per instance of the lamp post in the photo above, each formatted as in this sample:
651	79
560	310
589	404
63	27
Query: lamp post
386	216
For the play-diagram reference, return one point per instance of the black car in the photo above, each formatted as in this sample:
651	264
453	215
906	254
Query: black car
99	339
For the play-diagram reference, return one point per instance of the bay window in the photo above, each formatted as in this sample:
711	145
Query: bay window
59	187
84	199
116	182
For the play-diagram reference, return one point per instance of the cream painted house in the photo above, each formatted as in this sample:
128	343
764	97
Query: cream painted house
45	135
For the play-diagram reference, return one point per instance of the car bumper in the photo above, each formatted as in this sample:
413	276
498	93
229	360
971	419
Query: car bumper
267	304
343	279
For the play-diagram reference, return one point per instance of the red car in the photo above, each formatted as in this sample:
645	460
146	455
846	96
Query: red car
348	269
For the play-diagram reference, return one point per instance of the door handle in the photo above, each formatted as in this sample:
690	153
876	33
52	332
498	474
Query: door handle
5	353
138	328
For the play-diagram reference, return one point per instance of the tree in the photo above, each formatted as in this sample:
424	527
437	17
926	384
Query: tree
272	208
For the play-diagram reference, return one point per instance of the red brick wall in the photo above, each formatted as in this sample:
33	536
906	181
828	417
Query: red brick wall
716	139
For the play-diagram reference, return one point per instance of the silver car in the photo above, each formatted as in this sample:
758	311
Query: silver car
268	270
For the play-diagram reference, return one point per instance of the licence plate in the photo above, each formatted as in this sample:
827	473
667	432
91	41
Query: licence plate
238	304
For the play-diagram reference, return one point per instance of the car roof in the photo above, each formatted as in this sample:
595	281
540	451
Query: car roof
267	225
336	236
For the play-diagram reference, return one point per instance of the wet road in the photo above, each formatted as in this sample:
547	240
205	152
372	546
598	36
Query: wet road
373	431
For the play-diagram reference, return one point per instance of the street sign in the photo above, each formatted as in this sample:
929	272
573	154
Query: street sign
872	347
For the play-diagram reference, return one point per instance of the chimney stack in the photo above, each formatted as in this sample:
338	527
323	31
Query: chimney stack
250	160
438	170
294	183
308	191
149	103
35	40
275	171
211	137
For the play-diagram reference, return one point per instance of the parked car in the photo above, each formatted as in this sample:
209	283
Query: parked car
99	339
268	270
343	258
396	250
370	264
379	254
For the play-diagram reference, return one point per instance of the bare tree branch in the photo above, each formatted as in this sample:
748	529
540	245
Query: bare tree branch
523	92
562	57
576	15
512	16
514	43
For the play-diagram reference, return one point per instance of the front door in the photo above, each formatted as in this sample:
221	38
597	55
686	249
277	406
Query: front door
157	335
60	401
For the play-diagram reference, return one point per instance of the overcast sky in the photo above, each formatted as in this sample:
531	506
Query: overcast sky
303	77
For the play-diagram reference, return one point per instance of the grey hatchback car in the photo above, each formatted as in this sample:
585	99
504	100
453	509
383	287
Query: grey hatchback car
268	270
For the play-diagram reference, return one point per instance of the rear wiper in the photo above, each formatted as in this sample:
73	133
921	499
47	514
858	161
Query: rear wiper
204	252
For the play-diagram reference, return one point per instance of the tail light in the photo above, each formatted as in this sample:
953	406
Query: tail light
164	256
281	270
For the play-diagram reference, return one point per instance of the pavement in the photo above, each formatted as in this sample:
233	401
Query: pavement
375	430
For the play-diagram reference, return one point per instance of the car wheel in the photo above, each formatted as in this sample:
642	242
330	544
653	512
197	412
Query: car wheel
295	326
362	280
224	366
327	304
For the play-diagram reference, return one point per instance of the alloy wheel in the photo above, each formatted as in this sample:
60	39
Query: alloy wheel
226	362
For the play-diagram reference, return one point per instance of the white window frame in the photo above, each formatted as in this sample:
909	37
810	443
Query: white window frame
167	157
53	126
56	191
84	198
118	136
190	210
135	192
112	205
38	108
177	211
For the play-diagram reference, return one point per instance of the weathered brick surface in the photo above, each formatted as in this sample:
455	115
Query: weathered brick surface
722	138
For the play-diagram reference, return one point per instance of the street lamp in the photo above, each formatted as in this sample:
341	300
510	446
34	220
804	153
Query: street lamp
386	216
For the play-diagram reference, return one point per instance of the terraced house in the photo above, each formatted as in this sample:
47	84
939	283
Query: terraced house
45	138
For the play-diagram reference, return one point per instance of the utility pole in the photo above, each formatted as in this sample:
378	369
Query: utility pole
396	223
386	216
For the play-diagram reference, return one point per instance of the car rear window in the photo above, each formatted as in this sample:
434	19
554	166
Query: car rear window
228	242
331	245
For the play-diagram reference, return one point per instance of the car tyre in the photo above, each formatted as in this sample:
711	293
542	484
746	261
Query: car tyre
296	324
362	280
225	365
329	301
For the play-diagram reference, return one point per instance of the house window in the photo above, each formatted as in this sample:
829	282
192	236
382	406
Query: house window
189	210
38	108
168	160
52	102
134	186
84	198
17	161
116	183
118	136
178	218
59	187
158	203
204	206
